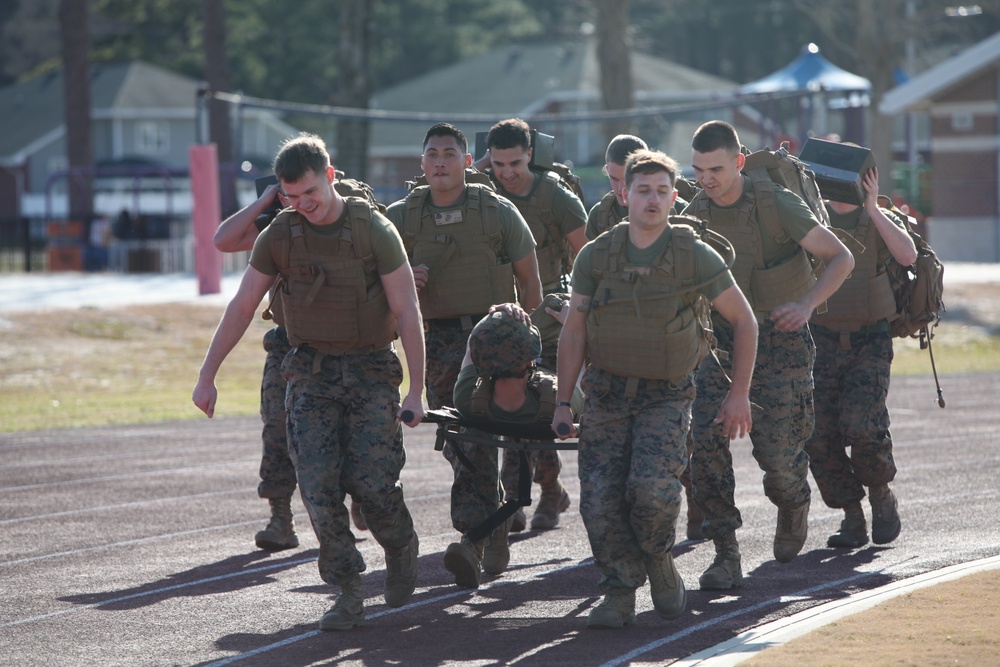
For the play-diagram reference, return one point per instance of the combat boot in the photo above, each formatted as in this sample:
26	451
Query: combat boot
615	611
401	572
465	560
280	531
791	532
496	553
519	521
853	531
554	501
666	587
885	514
349	609
726	570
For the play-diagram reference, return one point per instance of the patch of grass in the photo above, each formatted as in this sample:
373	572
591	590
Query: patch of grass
97	367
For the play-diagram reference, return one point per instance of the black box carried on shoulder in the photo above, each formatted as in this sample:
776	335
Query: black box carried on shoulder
840	169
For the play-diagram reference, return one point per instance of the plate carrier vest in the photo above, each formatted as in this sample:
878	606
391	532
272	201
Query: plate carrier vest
551	248
765	287
325	296
648	321
542	382
866	296
607	216
468	271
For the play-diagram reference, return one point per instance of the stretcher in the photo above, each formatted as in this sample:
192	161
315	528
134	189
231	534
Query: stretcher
523	438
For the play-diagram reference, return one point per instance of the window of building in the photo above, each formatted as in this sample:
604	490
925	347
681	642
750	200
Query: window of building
152	138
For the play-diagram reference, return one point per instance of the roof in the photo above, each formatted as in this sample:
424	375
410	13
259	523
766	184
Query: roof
809	71
918	92
36	105
518	79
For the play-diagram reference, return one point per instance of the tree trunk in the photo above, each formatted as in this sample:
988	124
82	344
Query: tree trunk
219	125
354	85
615	61
75	38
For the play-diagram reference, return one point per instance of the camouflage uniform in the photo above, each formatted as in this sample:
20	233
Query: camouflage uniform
474	493
632	451
277	474
782	386
851	389
344	438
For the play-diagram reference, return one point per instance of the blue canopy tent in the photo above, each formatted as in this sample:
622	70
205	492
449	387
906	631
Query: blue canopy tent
811	72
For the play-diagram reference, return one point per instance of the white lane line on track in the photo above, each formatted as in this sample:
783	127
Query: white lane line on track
131	505
413	605
167	536
132	475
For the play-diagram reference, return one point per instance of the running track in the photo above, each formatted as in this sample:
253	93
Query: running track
134	546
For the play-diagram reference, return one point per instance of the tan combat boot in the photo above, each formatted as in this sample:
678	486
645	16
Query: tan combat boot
401	572
465	560
726	571
615	611
554	501
496	552
885	514
853	531
349	609
791	532
280	531
666	587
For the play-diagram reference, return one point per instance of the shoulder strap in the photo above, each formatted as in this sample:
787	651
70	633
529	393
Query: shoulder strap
682	242
767	204
413	215
481	395
360	213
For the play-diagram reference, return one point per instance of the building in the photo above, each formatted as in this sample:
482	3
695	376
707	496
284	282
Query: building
962	96
144	119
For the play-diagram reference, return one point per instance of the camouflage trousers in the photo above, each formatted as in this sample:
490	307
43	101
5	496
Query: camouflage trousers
851	388
782	388
475	494
344	439
632	451
277	474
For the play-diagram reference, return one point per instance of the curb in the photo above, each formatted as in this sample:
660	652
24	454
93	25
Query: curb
745	645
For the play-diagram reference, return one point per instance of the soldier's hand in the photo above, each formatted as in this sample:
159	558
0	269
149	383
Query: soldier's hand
734	415
420	275
411	412
204	396
560	314
562	423
790	316
512	309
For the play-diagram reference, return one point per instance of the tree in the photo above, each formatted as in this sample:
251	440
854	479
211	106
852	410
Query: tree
75	39
615	59
355	85
217	76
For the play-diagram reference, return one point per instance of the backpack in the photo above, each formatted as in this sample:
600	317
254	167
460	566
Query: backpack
766	167
919	289
472	175
349	187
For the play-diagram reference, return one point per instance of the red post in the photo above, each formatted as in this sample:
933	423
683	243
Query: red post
206	212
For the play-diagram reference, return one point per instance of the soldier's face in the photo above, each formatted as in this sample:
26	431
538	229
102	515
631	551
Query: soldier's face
511	166
650	199
444	163
616	176
312	196
718	174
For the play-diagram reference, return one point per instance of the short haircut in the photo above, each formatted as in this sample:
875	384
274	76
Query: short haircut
621	147
716	134
509	133
306	152
645	161
447	130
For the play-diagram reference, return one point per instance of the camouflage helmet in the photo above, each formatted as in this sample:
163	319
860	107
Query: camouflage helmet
500	345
